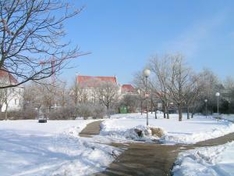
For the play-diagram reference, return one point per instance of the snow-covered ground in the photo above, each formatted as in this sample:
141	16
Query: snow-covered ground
204	161
29	148
54	148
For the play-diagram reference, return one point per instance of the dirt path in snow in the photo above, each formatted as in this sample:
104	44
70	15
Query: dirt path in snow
147	159
91	129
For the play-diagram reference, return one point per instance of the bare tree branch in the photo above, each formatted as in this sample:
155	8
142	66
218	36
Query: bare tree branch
30	34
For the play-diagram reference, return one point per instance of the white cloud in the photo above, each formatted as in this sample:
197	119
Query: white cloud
195	36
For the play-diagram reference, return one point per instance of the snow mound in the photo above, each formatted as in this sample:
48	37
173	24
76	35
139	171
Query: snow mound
137	133
204	161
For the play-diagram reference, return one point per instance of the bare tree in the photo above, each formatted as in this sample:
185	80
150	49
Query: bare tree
88	90
61	94
30	36
178	81
31	97
229	95
139	82
130	101
160	69
229	86
107	94
208	82
192	92
74	92
40	96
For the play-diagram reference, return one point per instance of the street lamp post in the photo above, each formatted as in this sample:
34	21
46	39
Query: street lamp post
206	106
217	95
146	73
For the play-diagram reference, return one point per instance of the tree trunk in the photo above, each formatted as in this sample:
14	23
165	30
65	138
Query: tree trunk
193	112
168	116
151	105
188	117
167	112
6	112
180	112
164	111
108	110
141	107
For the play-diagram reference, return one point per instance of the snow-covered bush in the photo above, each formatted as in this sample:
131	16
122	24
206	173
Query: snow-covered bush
91	110
62	113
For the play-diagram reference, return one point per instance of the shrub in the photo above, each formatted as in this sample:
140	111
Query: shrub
18	115
62	113
91	110
84	110
99	112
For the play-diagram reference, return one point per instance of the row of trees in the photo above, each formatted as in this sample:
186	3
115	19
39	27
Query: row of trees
173	82
61	102
171	85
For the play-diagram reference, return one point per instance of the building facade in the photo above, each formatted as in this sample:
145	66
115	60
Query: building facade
88	86
11	99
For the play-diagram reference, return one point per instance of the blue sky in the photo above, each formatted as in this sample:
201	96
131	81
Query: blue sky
123	34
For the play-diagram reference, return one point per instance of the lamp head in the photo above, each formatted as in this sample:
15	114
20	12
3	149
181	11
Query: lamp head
146	72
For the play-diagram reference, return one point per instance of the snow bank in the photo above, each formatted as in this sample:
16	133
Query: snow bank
215	161
189	131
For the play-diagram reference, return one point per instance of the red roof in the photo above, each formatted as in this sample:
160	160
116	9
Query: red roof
5	75
92	80
127	88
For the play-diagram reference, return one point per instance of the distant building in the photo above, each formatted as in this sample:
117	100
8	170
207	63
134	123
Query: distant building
88	84
128	89
10	98
93	81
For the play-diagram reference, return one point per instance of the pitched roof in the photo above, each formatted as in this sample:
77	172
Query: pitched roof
127	88
6	76
92	80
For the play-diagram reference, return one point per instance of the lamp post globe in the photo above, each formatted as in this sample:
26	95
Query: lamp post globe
146	72
217	94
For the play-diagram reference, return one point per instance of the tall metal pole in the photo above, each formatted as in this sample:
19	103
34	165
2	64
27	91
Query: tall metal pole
146	74
146	90
206	106
217	95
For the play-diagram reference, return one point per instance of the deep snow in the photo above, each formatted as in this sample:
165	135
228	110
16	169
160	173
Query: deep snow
55	148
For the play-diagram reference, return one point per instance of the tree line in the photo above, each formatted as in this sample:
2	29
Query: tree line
173	86
174	83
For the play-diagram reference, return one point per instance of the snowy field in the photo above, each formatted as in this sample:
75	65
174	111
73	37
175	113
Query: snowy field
55	148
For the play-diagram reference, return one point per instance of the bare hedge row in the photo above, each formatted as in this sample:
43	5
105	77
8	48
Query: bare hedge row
63	113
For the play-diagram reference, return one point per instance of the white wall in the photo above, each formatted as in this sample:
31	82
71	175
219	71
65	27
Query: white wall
14	99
